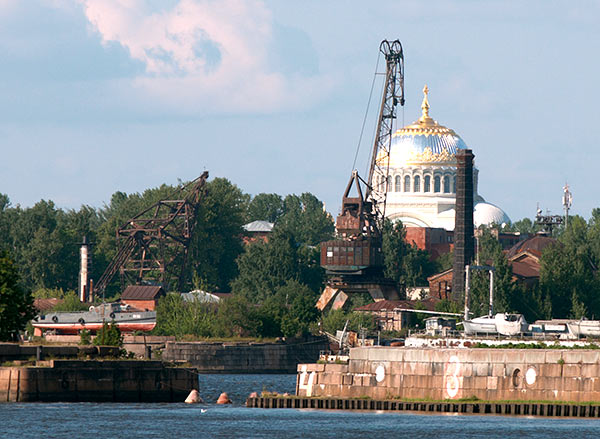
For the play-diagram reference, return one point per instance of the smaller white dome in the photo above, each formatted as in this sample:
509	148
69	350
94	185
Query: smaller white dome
487	214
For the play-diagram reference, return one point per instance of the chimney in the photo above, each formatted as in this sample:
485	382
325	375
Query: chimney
84	262
464	248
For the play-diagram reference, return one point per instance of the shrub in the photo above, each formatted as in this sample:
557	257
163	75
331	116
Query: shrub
109	335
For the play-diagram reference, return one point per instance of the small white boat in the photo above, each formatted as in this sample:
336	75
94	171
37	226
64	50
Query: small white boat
584	328
510	324
480	325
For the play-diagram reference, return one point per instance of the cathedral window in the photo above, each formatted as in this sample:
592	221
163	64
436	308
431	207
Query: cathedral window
436	184
427	184
398	184
446	184
407	183
454	185
417	184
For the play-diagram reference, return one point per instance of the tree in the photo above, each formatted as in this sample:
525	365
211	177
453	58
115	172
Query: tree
265	266
490	253
524	226
109	335
265	207
305	218
175	316
405	263
568	271
217	238
16	305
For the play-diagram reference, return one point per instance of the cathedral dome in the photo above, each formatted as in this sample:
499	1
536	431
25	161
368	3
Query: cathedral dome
424	141
488	214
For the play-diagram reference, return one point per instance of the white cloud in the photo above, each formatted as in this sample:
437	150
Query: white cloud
203	53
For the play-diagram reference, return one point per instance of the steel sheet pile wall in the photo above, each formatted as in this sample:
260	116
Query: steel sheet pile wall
439	374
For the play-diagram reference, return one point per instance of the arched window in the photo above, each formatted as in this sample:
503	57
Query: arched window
406	183
436	184
389	183
427	184
446	184
454	185
398	184
417	184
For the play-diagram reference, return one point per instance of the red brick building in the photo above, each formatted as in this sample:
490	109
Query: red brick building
142	297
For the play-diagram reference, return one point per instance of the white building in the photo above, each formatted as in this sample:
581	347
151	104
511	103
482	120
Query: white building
422	182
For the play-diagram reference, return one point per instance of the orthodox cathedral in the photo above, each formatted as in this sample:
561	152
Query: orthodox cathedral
422	182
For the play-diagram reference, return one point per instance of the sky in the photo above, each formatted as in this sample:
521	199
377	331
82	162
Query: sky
99	96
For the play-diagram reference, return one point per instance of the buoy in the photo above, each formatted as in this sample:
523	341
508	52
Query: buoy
193	397
223	399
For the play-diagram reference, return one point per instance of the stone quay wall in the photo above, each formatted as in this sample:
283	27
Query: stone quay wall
384	373
17	352
96	381
245	357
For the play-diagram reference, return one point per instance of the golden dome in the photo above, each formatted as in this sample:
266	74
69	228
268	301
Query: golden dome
425	125
425	140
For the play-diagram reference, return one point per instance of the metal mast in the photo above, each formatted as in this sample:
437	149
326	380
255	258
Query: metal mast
567	202
380	158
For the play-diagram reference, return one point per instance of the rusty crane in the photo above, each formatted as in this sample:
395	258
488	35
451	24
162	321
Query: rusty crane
354	261
153	246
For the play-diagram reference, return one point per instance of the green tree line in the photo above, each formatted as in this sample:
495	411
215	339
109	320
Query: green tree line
569	284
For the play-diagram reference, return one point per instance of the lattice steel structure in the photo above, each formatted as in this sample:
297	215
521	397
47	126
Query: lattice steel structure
153	246
393	93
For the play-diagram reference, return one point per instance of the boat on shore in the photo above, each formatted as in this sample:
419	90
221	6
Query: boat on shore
485	325
584	328
511	324
127	319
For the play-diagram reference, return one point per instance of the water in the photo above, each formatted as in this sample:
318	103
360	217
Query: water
181	421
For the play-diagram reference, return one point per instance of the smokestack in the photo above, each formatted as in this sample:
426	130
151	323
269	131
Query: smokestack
83	272
464	248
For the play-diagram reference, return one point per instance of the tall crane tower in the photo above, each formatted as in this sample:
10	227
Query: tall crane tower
153	246
354	260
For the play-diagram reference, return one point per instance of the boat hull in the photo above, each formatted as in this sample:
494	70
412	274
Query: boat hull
74	322
480	325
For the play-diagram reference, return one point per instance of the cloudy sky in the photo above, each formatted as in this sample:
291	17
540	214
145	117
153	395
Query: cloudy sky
104	95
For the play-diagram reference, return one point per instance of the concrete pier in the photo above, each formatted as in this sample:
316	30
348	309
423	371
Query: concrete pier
96	381
385	373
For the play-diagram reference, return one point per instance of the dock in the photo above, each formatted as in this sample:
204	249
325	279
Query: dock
478	408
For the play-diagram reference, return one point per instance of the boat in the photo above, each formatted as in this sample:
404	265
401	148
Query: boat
126	318
480	325
584	328
510	324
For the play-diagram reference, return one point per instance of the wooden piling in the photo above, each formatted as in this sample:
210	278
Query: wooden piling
542	409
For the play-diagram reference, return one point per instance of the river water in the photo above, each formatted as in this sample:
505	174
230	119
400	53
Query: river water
179	420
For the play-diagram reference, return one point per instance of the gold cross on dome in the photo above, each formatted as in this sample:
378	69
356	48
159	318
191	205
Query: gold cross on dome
425	105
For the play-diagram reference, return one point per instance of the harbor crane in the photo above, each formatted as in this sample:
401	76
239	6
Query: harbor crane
354	260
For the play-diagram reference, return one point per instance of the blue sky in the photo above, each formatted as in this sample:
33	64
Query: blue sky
104	95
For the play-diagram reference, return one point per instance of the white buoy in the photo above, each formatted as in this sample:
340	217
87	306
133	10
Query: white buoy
193	397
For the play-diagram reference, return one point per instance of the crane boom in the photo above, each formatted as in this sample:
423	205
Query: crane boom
380	156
